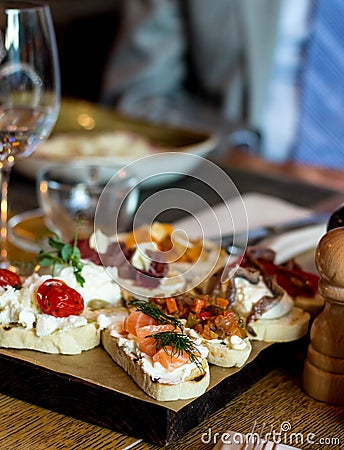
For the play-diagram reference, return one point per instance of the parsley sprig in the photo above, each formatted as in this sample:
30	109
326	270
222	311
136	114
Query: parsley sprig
175	339
62	253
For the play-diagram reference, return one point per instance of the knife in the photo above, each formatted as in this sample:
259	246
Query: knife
237	241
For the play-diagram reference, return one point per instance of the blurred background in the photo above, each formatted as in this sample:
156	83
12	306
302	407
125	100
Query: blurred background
77	22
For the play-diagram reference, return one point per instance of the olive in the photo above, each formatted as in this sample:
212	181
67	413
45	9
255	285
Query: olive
336	219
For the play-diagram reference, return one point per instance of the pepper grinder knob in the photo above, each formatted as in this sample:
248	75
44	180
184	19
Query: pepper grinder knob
323	374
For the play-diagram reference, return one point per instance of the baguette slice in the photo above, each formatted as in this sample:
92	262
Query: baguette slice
289	327
194	386
71	341
222	355
313	305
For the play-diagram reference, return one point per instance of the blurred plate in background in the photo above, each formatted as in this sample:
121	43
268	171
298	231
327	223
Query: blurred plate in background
91	133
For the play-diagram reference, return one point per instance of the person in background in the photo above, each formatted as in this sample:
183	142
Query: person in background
85	30
211	64
230	66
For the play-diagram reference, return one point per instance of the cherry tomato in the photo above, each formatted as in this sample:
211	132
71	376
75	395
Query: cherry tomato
9	278
58	299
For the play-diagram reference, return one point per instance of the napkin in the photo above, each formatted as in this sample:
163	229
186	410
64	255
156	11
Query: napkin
253	210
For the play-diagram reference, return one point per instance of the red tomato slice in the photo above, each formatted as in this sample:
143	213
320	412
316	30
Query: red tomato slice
58	299
135	320
9	278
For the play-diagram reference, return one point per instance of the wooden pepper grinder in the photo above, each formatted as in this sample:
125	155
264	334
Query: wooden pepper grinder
323	375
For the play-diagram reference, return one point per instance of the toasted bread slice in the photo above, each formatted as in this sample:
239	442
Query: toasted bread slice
222	355
193	386
313	305
70	341
289	327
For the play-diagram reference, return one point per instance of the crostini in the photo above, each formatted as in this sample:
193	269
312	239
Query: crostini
268	311
61	311
165	359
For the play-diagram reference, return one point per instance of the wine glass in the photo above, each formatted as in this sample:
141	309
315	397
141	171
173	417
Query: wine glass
29	90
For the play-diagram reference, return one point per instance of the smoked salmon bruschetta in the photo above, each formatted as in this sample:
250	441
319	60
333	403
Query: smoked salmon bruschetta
165	359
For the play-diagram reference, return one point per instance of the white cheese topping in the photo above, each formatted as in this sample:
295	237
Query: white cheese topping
20	306
140	259
237	343
99	241
154	369
99	283
247	294
47	324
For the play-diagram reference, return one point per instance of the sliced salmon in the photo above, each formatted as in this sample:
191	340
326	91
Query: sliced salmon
170	360
148	344
135	320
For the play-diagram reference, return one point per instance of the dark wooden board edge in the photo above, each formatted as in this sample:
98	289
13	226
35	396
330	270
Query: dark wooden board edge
95	404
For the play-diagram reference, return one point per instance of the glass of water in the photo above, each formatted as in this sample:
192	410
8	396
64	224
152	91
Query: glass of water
68	195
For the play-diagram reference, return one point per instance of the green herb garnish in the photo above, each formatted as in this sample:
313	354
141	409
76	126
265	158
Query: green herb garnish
62	253
178	341
155	312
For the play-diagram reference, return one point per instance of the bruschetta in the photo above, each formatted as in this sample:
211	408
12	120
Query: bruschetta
165	359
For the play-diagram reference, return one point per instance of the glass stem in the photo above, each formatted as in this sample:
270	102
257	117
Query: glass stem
5	172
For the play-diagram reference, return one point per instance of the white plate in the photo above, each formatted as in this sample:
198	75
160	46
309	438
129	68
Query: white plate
88	132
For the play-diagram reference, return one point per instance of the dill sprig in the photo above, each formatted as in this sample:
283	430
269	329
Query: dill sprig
62	253
179	343
155	312
175	339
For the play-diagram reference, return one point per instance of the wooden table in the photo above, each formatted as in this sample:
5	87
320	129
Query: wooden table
276	399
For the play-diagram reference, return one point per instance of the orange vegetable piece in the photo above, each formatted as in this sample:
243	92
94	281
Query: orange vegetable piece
198	304
221	302
160	233
141	234
171	305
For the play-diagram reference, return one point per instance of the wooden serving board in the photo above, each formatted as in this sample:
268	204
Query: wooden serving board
91	387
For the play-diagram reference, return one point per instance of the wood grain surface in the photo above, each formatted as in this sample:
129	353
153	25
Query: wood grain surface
91	387
276	399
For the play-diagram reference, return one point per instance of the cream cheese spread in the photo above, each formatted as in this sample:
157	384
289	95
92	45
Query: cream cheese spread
20	306
234	342
99	283
247	294
154	369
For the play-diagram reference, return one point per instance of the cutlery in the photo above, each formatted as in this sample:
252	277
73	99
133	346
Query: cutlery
237	242
255	440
